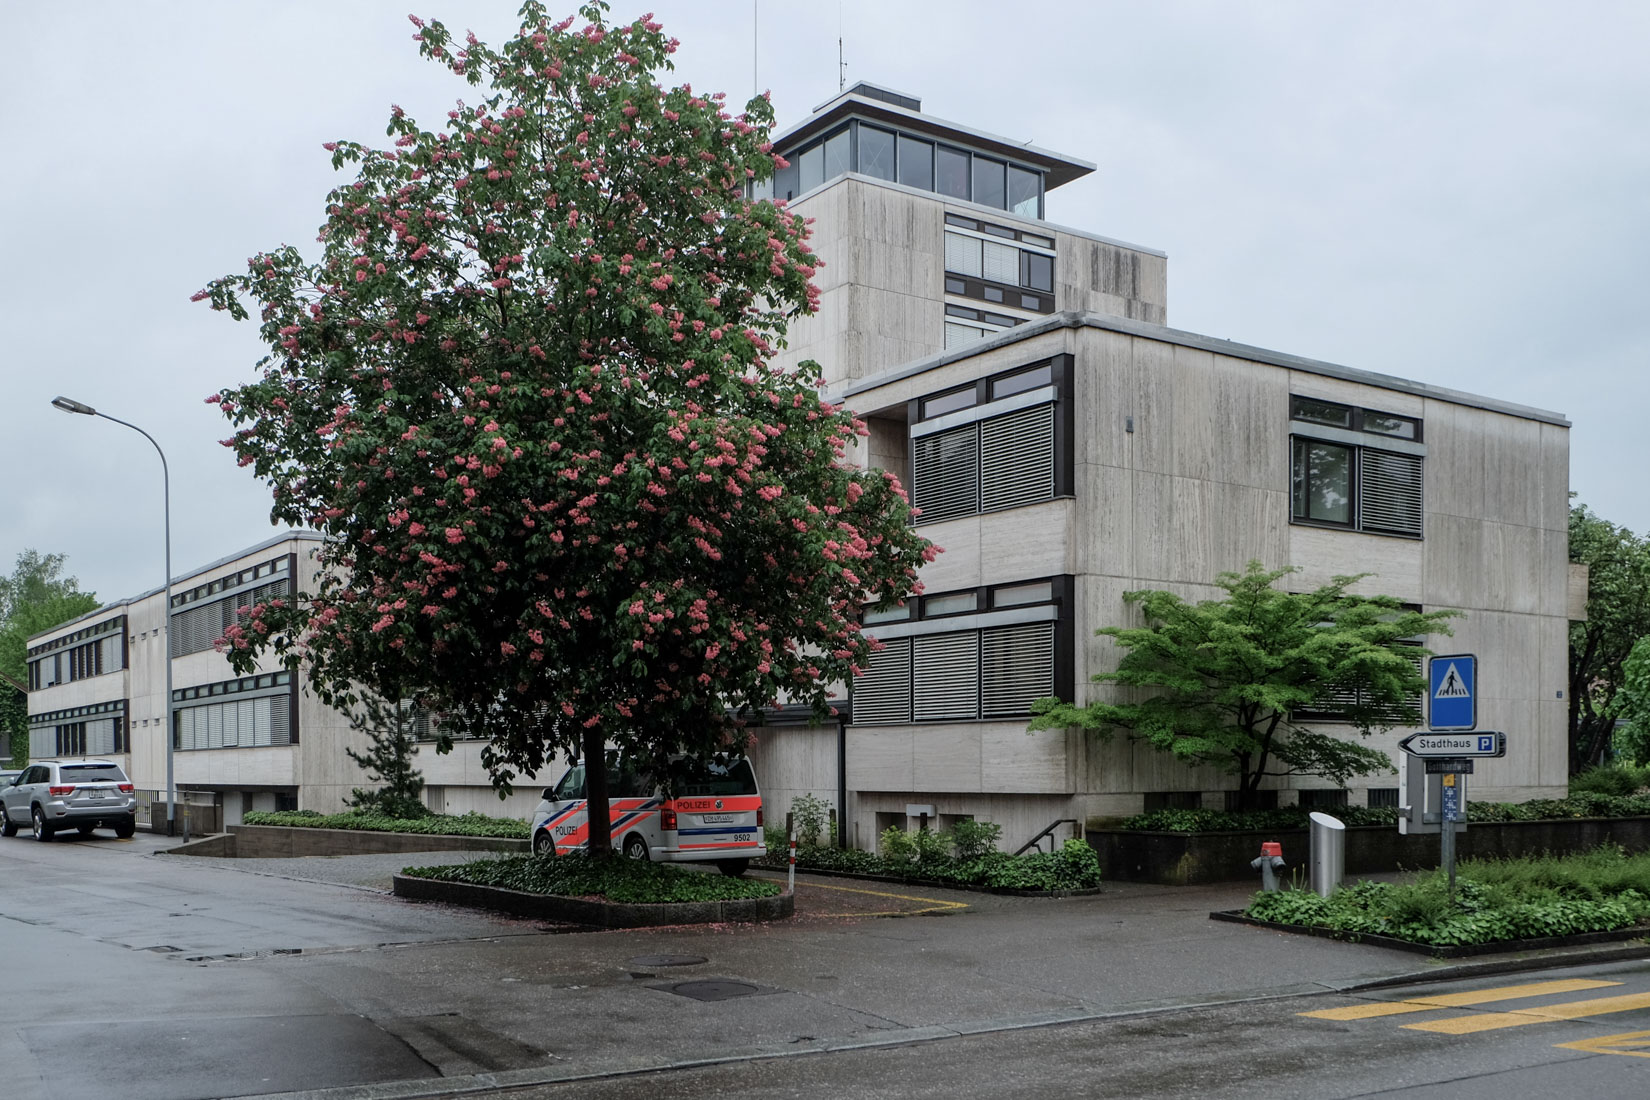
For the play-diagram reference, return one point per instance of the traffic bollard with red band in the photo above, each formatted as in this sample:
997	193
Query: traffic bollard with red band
790	886
1269	863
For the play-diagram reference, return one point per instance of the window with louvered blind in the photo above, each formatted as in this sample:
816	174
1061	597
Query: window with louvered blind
945	676
882	694
1017	459
198	625
945	473
1391	495
1016	667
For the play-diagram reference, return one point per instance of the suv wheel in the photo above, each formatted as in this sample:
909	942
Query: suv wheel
8	827
43	830
125	829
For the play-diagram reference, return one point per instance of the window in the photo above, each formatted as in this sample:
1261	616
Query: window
260	715
1337	704
994	666
1025	191
1362	488
1319	799
199	618
1353	418
1383	796
951	172
876	152
838	154
916	163
1172	800
91	651
810	167
1258	800
1008	453
978	266
989	189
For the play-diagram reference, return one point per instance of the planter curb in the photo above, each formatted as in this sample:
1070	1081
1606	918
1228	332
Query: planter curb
1439	951
594	914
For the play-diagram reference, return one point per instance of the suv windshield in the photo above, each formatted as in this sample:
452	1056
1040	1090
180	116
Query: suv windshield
92	773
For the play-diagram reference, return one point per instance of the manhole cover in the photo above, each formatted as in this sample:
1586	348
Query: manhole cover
714	989
667	960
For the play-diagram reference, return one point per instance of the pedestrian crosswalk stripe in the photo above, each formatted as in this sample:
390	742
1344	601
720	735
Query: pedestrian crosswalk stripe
1456	1000
1541	1014
1611	1044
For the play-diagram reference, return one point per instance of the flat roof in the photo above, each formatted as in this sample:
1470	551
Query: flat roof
1058	168
274	540
1145	330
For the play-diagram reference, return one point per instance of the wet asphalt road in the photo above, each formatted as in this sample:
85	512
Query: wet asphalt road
143	975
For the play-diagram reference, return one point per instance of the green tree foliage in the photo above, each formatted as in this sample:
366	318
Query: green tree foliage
1618	615
1216	682
388	761
35	597
1633	740
529	394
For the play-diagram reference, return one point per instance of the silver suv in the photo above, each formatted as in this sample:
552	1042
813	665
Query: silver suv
78	794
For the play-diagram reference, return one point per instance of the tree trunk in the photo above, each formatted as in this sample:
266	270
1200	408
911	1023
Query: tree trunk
600	817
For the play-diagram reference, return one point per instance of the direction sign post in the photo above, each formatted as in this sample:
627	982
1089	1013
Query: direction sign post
1452	743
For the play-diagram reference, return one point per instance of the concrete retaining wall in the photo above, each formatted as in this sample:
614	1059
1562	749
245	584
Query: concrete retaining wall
596	914
1179	859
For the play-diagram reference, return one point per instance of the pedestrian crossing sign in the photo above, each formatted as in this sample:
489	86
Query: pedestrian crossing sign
1452	699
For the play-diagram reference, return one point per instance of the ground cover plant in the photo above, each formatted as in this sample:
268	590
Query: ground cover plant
435	824
628	881
1529	897
1584	803
964	856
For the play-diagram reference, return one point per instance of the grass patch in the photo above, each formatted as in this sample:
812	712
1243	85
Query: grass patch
629	881
435	825
1495	899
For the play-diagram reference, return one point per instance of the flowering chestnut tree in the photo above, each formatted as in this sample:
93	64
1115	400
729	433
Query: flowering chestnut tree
528	394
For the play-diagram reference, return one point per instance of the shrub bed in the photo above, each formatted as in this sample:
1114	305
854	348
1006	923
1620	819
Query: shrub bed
436	824
1531	897
966	857
1577	805
626	881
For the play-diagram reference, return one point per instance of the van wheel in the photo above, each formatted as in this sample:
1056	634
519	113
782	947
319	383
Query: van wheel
544	845
733	868
635	847
43	829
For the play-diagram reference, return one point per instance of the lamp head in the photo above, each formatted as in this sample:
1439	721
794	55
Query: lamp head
70	405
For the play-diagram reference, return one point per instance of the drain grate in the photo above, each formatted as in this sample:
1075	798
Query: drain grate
714	989
667	960
268	952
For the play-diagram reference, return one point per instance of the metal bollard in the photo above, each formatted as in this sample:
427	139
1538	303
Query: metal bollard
1269	863
1328	853
790	873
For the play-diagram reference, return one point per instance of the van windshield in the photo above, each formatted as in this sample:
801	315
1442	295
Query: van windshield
715	778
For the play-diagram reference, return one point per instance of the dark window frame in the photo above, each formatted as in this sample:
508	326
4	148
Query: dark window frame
1356	419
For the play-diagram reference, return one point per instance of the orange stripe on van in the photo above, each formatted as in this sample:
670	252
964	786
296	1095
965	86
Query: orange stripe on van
725	844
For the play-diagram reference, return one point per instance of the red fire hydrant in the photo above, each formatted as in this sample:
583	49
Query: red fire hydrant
1269	863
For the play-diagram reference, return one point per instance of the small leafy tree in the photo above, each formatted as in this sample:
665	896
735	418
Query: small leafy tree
1633	740
1618	616
1220	680
34	597
529	394
390	730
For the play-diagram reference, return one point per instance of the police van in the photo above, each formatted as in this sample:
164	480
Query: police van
705	812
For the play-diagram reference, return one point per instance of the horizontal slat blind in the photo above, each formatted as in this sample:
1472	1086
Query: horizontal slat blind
1390	496
1002	263
945	470
945	673
883	693
1016	666
962	254
1017	458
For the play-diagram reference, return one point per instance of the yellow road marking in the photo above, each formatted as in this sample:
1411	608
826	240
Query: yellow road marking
1604	1043
1456	1000
1571	1010
934	905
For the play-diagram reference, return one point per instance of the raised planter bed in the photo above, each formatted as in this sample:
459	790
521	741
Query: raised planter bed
594	914
1184	859
283	841
932	883
1438	951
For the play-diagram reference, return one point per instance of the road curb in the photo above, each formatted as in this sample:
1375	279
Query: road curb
594	914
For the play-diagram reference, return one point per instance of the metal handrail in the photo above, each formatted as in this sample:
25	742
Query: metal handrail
1036	841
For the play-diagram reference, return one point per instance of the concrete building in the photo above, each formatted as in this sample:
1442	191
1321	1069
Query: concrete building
242	743
1066	446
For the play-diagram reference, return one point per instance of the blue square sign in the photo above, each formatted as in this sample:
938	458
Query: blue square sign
1452	694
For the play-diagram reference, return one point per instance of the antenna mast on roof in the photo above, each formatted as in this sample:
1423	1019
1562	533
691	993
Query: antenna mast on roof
756	85
841	65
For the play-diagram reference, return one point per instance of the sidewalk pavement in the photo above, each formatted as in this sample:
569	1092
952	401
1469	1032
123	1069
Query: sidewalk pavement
833	978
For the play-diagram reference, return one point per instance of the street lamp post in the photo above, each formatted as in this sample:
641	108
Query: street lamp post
71	406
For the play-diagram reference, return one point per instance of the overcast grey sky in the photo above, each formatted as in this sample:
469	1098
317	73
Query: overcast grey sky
1455	193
